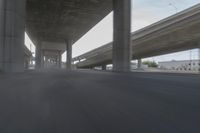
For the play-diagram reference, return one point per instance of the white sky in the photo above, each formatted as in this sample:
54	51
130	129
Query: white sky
29	44
144	13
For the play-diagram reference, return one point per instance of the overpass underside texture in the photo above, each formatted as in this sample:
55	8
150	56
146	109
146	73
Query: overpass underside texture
54	26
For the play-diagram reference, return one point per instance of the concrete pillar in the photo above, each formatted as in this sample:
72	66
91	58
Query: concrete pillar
69	55
199	60
104	67
55	61
46	61
42	58
121	36
60	59
12	27
139	64
92	67
26	62
38	55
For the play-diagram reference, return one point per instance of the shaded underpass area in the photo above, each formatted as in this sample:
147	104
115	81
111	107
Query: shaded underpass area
57	101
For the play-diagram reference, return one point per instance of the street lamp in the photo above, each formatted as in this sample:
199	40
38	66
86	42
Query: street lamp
199	59
170	4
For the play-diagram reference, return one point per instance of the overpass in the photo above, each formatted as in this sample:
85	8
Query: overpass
54	26
60	101
175	33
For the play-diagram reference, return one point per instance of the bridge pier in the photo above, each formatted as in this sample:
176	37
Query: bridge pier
121	39
104	67
69	55
42	58
12	27
199	57
59	59
139	65
52	58
26	63
38	58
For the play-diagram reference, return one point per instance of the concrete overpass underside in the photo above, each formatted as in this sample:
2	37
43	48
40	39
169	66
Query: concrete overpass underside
56	21
60	101
50	24
176	33
55	24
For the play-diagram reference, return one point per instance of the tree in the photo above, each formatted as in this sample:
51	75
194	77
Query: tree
150	63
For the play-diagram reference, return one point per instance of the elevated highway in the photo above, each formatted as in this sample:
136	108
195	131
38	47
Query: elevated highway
60	101
175	33
52	26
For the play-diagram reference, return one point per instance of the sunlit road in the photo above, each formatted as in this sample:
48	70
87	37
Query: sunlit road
99	102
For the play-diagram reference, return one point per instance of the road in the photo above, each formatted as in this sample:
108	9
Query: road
99	102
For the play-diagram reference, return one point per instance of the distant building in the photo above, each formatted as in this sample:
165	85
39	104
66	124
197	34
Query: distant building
133	66
185	65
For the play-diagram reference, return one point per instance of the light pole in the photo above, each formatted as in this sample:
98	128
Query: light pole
190	60
170	4
199	59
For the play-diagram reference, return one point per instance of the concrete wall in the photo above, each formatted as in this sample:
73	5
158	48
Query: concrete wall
12	27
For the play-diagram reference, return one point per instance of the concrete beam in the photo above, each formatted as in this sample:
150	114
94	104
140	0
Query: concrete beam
12	27
122	30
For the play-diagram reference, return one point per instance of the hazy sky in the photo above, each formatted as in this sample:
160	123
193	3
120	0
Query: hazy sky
144	13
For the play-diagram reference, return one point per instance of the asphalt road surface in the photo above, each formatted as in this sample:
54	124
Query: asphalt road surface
99	102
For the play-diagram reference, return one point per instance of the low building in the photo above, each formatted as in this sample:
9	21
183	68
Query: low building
185	65
134	66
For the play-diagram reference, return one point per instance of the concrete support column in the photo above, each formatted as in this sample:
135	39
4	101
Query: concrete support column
104	67
26	62
38	55
121	42
56	61
42	59
139	66
199	59
60	59
12	27
46	61
69	55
